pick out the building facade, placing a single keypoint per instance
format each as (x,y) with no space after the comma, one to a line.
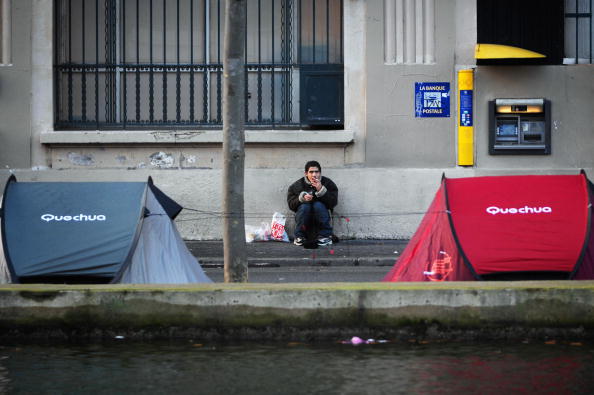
(377,91)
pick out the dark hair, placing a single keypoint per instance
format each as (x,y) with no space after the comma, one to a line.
(312,163)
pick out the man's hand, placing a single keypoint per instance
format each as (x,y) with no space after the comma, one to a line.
(308,197)
(316,184)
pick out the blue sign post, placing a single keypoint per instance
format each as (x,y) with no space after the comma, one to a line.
(432,99)
(466,107)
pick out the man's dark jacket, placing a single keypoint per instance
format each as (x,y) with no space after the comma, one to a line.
(327,195)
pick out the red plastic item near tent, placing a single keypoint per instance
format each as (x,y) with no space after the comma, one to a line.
(508,227)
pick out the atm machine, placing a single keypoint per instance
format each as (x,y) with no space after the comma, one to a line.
(519,127)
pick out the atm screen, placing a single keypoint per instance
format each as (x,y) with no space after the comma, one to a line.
(505,130)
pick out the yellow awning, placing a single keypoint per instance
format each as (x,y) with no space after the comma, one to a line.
(496,51)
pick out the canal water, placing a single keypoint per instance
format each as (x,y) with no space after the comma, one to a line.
(189,367)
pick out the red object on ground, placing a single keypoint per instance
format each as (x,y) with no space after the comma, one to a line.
(483,227)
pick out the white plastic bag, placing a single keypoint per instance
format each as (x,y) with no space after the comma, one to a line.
(268,231)
(277,228)
(255,233)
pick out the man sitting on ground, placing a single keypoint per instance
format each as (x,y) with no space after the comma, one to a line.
(310,198)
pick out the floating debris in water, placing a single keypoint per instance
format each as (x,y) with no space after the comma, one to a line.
(356,340)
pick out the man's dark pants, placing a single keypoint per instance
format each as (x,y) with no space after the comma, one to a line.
(310,215)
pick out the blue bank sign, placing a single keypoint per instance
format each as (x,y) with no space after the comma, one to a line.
(432,99)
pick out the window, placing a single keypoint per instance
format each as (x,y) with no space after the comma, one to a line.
(535,25)
(578,32)
(125,64)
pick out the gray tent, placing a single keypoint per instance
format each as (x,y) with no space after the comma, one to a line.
(93,232)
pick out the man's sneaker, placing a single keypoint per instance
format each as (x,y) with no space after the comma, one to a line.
(324,241)
(299,241)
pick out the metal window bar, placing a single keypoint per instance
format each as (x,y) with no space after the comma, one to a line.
(124,71)
(313,25)
(164,83)
(219,96)
(246,80)
(575,17)
(206,57)
(156,63)
(96,68)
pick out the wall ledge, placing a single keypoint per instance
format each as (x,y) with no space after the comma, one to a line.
(195,137)
(457,311)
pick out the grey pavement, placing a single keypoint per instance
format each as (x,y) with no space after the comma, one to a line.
(307,274)
(278,254)
(278,262)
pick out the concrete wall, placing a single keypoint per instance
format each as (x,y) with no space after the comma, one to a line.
(380,203)
(393,311)
(386,162)
(395,138)
(15,92)
(362,212)
(571,92)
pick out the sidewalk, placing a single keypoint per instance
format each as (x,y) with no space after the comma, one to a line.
(279,254)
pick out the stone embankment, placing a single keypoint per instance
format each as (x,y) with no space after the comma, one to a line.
(460,311)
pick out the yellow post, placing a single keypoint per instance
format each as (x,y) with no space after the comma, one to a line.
(465,118)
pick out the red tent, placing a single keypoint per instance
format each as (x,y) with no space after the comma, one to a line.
(508,227)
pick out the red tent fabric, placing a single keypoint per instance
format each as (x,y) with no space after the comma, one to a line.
(508,227)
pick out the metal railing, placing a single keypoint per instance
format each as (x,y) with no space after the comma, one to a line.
(146,64)
(578,31)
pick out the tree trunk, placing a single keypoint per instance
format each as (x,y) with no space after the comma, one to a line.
(234,247)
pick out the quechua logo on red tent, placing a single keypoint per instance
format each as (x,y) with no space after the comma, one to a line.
(494,210)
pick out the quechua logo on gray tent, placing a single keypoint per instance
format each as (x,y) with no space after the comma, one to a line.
(74,218)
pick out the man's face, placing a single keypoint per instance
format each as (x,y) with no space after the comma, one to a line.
(313,173)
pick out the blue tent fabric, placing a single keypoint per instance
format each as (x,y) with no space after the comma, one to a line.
(93,232)
(161,255)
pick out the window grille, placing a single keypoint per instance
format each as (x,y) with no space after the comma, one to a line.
(578,32)
(150,64)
